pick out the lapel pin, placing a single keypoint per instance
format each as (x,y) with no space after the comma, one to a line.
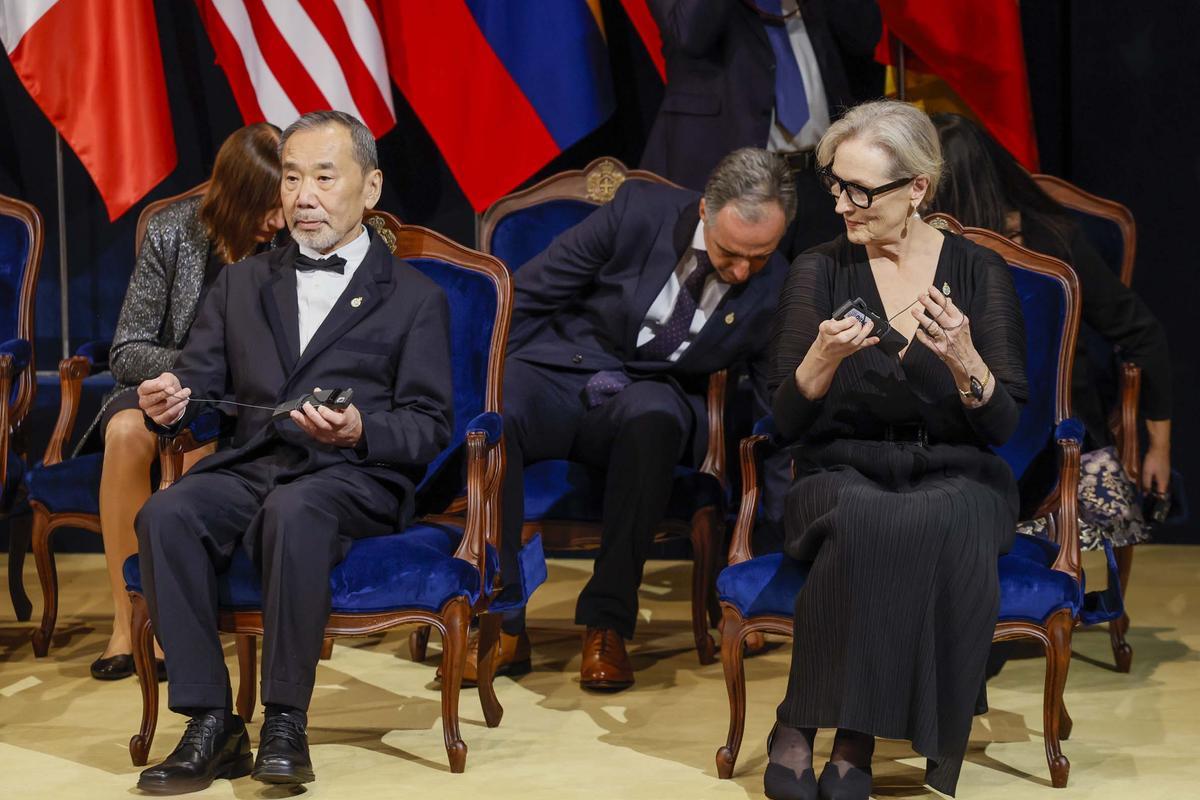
(946,289)
(356,302)
(729,318)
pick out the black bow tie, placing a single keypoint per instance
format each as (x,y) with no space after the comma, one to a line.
(332,264)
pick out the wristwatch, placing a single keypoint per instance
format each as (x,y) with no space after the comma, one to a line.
(977,386)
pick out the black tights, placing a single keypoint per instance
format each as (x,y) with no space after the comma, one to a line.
(793,748)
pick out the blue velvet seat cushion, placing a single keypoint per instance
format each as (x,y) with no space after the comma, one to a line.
(71,486)
(412,569)
(567,490)
(764,585)
(1031,591)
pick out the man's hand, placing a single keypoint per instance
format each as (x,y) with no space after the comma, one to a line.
(162,399)
(338,428)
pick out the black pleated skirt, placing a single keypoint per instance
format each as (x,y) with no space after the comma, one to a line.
(894,625)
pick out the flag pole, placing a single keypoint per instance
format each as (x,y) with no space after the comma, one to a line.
(901,76)
(64,287)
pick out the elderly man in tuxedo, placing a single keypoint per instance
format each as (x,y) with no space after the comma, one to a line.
(334,309)
(618,324)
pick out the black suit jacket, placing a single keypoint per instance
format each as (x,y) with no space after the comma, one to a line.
(581,302)
(387,337)
(721,77)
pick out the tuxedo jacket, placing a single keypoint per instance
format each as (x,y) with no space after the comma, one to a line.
(387,338)
(721,77)
(581,302)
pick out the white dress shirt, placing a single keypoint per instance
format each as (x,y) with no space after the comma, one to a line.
(779,140)
(660,309)
(318,290)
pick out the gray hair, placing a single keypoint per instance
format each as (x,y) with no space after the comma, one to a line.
(903,131)
(749,178)
(361,138)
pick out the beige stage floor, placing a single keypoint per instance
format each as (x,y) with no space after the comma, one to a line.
(375,726)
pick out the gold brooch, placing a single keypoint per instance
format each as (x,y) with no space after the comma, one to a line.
(356,302)
(729,318)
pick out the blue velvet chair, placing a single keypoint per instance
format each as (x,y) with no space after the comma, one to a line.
(439,571)
(21,239)
(563,499)
(1110,229)
(1041,582)
(66,492)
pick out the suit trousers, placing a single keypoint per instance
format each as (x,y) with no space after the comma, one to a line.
(636,438)
(298,527)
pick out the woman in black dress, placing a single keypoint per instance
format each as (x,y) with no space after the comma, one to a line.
(898,502)
(985,187)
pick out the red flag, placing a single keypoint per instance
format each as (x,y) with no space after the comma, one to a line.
(647,30)
(95,69)
(977,49)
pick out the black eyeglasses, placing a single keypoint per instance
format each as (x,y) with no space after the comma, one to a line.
(860,196)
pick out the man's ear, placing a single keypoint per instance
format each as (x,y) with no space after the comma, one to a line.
(703,212)
(373,188)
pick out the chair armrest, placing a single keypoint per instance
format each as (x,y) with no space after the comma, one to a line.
(1124,419)
(750,452)
(714,457)
(485,471)
(1065,515)
(71,372)
(7,371)
(20,350)
(204,428)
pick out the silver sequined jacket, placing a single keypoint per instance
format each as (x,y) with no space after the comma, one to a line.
(161,300)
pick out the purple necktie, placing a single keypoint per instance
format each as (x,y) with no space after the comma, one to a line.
(675,329)
(791,101)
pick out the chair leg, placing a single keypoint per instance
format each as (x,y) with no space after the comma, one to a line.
(19,533)
(47,576)
(1122,652)
(1065,724)
(247,656)
(489,647)
(735,683)
(418,642)
(327,649)
(1058,661)
(705,528)
(456,616)
(147,671)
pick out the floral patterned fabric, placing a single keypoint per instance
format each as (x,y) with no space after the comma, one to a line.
(1109,507)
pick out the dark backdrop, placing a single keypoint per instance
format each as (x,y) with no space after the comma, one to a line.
(1114,91)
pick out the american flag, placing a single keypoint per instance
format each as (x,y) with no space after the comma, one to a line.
(284,58)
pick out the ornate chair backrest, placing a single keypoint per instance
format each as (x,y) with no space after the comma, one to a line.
(479,291)
(1049,294)
(21,241)
(1107,224)
(158,205)
(519,226)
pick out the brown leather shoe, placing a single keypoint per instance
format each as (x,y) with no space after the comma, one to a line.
(605,666)
(513,657)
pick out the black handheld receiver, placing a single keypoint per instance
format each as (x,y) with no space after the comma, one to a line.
(891,341)
(336,399)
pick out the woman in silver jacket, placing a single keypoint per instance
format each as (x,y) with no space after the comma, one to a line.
(186,246)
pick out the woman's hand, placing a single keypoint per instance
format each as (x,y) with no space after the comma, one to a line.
(839,338)
(836,339)
(946,330)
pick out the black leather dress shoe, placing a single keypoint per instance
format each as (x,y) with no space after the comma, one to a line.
(782,783)
(114,668)
(283,750)
(854,785)
(208,750)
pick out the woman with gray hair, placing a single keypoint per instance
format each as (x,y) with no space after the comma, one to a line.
(891,397)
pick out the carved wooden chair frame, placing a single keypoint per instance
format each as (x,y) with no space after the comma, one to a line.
(12,414)
(1123,421)
(597,183)
(1054,636)
(485,471)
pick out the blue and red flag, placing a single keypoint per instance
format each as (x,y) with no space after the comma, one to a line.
(502,86)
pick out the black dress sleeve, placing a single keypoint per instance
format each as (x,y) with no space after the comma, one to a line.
(998,333)
(1120,316)
(803,305)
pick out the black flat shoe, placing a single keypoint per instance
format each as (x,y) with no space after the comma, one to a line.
(781,783)
(854,785)
(208,750)
(113,668)
(283,751)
